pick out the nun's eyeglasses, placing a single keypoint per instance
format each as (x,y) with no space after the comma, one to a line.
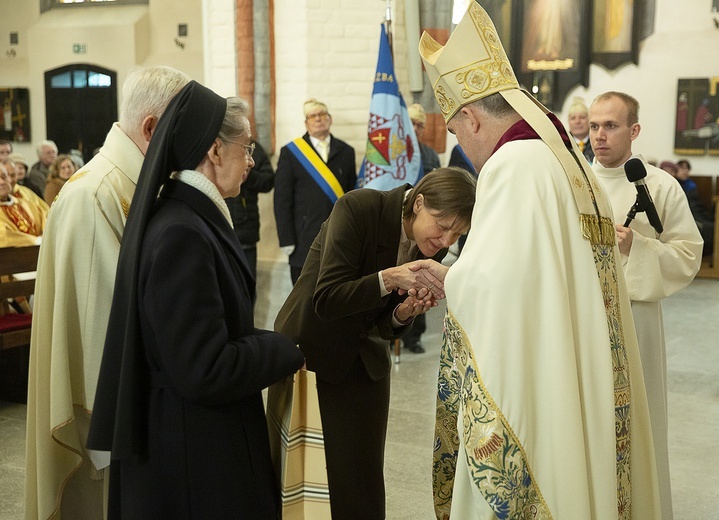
(249,149)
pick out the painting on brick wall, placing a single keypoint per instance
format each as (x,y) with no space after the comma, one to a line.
(696,128)
(15,103)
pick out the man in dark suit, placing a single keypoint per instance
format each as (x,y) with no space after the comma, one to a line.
(350,301)
(579,127)
(312,173)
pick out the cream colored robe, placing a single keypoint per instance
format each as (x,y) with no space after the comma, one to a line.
(73,295)
(528,359)
(657,267)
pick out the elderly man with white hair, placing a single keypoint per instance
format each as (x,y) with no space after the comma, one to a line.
(37,176)
(313,171)
(73,296)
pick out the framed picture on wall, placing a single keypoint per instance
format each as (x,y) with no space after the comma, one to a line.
(696,127)
(616,32)
(550,50)
(15,123)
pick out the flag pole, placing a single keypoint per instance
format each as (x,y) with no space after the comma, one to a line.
(388,26)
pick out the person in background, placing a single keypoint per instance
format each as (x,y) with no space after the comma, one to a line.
(669,167)
(459,159)
(5,151)
(430,159)
(15,169)
(537,313)
(351,301)
(193,441)
(77,158)
(702,216)
(579,127)
(21,167)
(37,176)
(243,208)
(21,224)
(656,265)
(73,294)
(60,171)
(313,171)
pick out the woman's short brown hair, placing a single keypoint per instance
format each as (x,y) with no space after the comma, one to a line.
(448,191)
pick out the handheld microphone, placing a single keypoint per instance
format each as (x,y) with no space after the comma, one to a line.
(636,172)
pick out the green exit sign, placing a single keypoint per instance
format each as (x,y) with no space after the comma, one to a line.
(79,48)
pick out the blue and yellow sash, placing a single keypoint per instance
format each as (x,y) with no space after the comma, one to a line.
(317,168)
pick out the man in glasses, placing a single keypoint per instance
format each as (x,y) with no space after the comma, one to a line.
(313,171)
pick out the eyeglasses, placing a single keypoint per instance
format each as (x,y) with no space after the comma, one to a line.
(249,148)
(319,116)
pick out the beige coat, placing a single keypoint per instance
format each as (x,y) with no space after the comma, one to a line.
(76,277)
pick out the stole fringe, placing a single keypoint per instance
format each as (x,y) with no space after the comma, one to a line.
(598,230)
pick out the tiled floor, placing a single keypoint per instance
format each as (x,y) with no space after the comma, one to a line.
(692,330)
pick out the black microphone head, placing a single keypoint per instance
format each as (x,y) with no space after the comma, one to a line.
(635,170)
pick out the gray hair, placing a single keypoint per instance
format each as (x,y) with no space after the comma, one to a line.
(146,92)
(495,105)
(236,122)
(43,144)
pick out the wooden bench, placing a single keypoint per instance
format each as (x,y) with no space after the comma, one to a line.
(15,328)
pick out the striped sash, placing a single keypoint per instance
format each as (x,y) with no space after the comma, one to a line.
(317,168)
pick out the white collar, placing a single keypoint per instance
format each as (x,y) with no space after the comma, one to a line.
(315,141)
(199,181)
(11,200)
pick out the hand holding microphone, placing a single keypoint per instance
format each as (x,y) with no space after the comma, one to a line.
(636,172)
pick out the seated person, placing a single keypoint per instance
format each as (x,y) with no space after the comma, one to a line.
(702,215)
(21,224)
(16,169)
(60,172)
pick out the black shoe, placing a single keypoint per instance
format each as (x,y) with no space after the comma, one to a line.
(417,348)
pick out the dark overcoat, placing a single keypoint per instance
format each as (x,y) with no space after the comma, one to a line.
(336,311)
(300,204)
(207,448)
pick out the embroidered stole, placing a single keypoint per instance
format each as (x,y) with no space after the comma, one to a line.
(19,216)
(316,167)
(496,459)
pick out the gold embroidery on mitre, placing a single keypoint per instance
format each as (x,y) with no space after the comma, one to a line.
(445,104)
(486,69)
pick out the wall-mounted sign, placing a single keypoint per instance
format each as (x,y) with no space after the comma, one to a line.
(79,48)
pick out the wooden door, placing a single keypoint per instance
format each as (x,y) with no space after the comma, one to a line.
(80,106)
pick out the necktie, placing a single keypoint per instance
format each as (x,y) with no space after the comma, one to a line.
(323,149)
(581,146)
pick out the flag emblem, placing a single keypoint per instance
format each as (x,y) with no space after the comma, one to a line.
(390,156)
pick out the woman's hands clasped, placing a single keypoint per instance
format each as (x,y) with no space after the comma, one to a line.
(413,277)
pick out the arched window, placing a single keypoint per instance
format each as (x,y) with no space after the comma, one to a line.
(80,106)
(52,4)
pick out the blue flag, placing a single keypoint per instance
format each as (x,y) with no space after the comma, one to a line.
(392,156)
